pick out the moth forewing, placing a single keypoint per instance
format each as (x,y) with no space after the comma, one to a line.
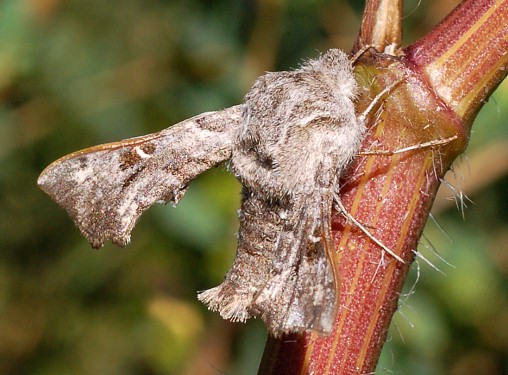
(289,143)
(106,188)
(281,273)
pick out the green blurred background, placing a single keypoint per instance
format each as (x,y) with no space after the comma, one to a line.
(75,73)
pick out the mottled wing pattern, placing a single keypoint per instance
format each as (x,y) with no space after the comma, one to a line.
(282,272)
(304,285)
(106,188)
(299,133)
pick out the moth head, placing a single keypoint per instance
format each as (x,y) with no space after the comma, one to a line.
(334,68)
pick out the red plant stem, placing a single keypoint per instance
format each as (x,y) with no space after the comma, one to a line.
(466,56)
(447,77)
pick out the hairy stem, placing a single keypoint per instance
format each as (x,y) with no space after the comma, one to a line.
(446,77)
(466,56)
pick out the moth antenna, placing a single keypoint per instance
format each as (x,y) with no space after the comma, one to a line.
(350,217)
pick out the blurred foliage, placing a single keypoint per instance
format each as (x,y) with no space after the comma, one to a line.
(77,73)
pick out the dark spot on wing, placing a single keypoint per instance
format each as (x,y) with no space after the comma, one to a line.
(313,250)
(147,148)
(128,159)
(212,123)
(200,121)
(83,162)
(132,177)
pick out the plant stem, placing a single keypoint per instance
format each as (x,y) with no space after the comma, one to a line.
(381,26)
(466,56)
(447,76)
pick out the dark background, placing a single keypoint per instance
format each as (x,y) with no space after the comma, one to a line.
(77,73)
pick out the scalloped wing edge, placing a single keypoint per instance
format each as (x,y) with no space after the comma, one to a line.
(106,188)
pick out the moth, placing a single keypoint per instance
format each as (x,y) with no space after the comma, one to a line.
(288,143)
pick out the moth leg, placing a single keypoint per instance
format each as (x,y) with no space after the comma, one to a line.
(434,143)
(359,53)
(388,50)
(350,217)
(377,99)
